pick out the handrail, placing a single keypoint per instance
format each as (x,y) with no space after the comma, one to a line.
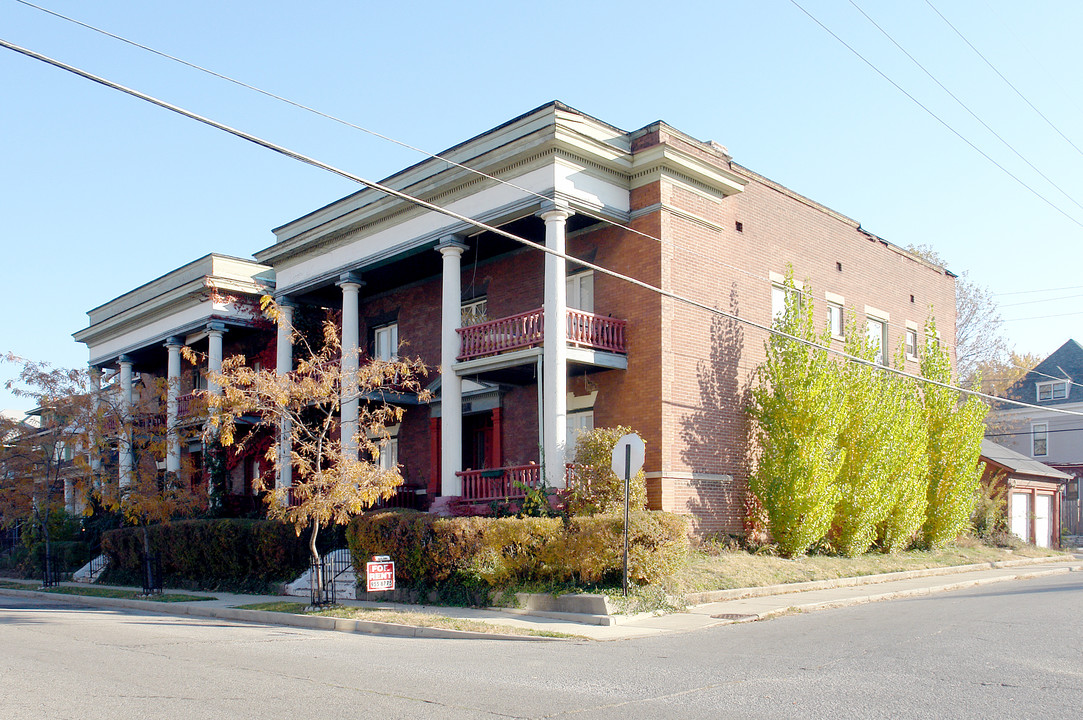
(584,329)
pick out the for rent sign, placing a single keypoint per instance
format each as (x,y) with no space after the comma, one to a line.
(380,574)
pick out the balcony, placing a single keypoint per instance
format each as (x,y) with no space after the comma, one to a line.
(504,483)
(526,330)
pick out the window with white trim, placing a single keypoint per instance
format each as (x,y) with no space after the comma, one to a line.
(388,448)
(779,293)
(579,422)
(878,339)
(1039,435)
(835,321)
(475,311)
(911,344)
(581,291)
(386,342)
(1055,390)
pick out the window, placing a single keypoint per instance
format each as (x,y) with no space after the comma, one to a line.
(1053,390)
(835,321)
(386,342)
(878,339)
(911,344)
(389,454)
(779,294)
(578,423)
(1040,439)
(581,291)
(475,311)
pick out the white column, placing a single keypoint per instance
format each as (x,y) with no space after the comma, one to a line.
(215,331)
(555,349)
(451,386)
(173,370)
(349,403)
(124,450)
(284,365)
(94,427)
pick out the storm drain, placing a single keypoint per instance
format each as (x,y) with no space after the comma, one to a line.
(734,617)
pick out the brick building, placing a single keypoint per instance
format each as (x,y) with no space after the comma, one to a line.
(654,204)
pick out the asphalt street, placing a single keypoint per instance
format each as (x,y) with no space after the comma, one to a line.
(1007,650)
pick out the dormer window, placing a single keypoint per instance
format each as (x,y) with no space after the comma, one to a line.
(1056,390)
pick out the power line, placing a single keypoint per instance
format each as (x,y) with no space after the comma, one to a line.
(966,107)
(1043,317)
(380,187)
(1031,292)
(936,117)
(1043,300)
(374,133)
(1006,80)
(1048,432)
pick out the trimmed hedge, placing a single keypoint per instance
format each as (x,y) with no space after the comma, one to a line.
(433,551)
(212,554)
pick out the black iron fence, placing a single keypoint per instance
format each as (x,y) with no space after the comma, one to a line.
(325,573)
(152,574)
(50,571)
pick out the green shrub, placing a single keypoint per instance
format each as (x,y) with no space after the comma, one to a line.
(212,554)
(434,553)
(596,488)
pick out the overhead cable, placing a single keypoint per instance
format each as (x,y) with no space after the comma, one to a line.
(503,233)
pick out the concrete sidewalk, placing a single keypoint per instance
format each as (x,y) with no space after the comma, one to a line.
(724,607)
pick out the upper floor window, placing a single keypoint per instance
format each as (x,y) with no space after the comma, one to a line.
(581,291)
(835,320)
(386,342)
(1040,439)
(1056,390)
(475,311)
(911,344)
(878,339)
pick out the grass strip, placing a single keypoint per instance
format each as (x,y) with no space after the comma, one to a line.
(399,617)
(105,592)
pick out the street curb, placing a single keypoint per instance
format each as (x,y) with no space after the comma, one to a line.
(712,596)
(267,617)
(901,594)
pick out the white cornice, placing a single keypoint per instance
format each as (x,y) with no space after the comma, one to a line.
(651,164)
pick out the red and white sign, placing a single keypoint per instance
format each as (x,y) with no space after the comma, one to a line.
(380,576)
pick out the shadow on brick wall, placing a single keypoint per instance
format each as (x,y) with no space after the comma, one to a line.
(716,434)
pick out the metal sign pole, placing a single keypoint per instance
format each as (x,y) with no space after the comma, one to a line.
(627,469)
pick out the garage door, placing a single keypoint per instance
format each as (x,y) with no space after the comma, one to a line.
(1020,511)
(1043,520)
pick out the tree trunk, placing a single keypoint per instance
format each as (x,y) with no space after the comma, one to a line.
(317,566)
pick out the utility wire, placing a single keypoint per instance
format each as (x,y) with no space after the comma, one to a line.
(965,106)
(503,233)
(382,136)
(1044,300)
(1031,292)
(936,117)
(1006,80)
(1042,317)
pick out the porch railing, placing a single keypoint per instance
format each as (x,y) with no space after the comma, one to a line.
(504,482)
(527,330)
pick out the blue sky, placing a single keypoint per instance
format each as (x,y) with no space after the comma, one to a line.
(100,192)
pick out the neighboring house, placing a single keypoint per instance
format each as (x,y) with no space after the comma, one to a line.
(1051,437)
(210,305)
(1033,492)
(483,310)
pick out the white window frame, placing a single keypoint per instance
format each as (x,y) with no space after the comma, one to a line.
(779,292)
(911,344)
(474,312)
(1052,387)
(836,321)
(580,291)
(1039,433)
(388,335)
(388,447)
(877,331)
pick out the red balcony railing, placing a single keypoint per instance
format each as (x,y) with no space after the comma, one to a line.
(504,482)
(527,330)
